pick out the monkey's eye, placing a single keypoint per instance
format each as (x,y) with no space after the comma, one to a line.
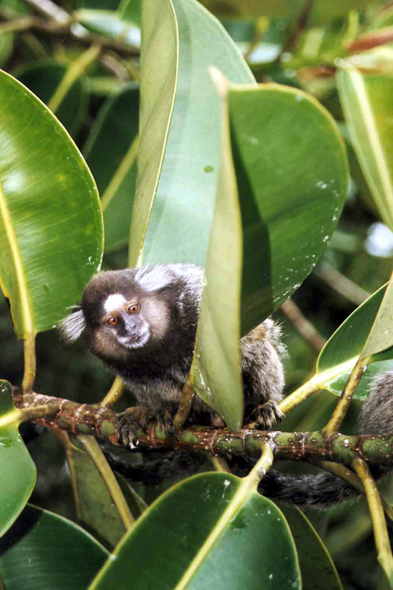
(133,308)
(112,320)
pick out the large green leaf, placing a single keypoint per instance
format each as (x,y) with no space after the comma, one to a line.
(111,153)
(17,470)
(44,78)
(273,220)
(159,69)
(313,555)
(290,199)
(342,350)
(217,362)
(179,226)
(43,551)
(366,101)
(203,534)
(50,219)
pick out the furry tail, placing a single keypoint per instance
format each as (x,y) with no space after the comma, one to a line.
(321,491)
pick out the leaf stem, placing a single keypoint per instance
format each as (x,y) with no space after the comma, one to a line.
(343,404)
(115,393)
(263,465)
(219,464)
(76,69)
(385,557)
(30,363)
(183,411)
(298,396)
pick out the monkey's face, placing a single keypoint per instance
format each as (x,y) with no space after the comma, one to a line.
(121,326)
(119,315)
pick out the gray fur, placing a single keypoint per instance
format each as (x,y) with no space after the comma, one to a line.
(72,326)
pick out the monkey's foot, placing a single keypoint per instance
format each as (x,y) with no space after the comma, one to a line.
(133,419)
(266,415)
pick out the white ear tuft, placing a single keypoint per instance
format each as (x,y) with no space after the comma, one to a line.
(71,328)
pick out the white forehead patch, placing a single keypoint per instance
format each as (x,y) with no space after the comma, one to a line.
(114,302)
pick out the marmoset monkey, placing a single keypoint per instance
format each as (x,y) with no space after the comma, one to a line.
(142,322)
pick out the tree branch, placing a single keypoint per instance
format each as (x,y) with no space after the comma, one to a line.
(99,420)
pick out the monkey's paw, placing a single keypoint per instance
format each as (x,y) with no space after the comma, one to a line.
(133,419)
(266,415)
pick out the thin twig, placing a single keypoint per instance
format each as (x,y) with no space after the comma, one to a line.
(297,30)
(303,325)
(341,284)
(50,9)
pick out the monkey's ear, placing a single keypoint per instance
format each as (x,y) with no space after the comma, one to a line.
(72,327)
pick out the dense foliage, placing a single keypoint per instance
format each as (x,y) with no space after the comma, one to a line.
(254,139)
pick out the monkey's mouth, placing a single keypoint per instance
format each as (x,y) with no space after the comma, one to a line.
(134,341)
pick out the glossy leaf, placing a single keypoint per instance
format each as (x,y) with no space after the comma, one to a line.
(111,153)
(17,469)
(45,551)
(97,511)
(381,333)
(313,555)
(217,361)
(366,101)
(159,68)
(44,78)
(50,217)
(203,533)
(342,350)
(179,223)
(290,200)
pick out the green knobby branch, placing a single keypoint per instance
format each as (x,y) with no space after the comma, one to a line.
(99,420)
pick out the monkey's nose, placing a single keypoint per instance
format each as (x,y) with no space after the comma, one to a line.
(129,323)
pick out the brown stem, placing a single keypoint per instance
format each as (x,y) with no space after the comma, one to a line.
(297,30)
(302,325)
(341,284)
